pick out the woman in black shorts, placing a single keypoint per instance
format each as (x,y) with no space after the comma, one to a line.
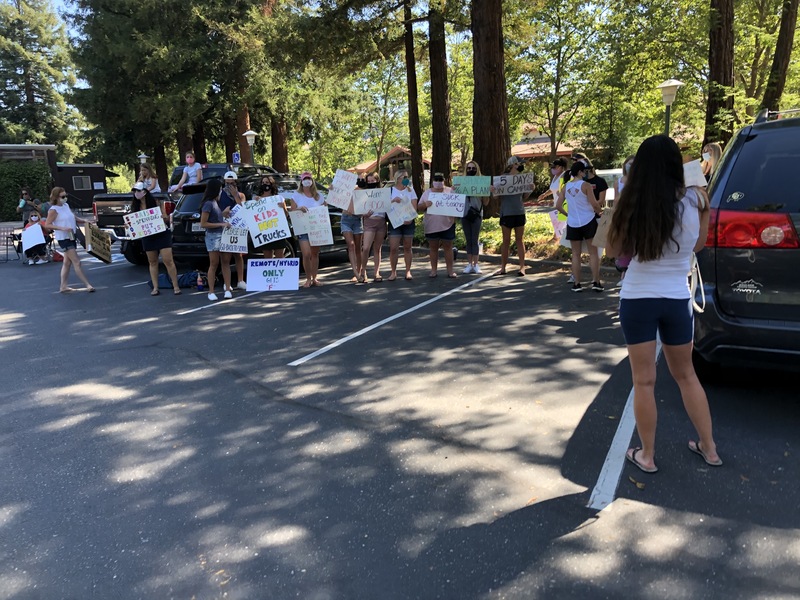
(268,188)
(160,243)
(512,218)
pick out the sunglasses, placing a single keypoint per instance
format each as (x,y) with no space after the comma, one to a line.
(63,196)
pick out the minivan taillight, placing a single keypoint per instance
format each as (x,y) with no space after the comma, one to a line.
(94,210)
(746,229)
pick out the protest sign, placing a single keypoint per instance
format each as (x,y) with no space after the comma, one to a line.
(237,216)
(98,243)
(273,274)
(266,220)
(448,205)
(316,223)
(473,185)
(505,185)
(603,225)
(400,212)
(693,174)
(144,223)
(234,240)
(341,191)
(32,236)
(375,200)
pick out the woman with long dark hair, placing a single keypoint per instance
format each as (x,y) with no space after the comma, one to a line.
(213,222)
(660,223)
(160,243)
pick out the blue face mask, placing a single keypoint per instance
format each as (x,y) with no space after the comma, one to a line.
(405,181)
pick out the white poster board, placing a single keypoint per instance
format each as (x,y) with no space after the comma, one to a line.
(693,174)
(266,220)
(400,212)
(473,185)
(144,223)
(341,191)
(236,217)
(234,240)
(32,236)
(316,223)
(447,205)
(273,274)
(506,185)
(376,200)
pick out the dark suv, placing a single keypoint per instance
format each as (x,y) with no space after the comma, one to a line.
(188,238)
(751,261)
(218,170)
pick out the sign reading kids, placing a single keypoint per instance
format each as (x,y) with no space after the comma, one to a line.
(273,274)
(144,223)
(266,220)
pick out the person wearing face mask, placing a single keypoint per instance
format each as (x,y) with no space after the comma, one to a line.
(37,255)
(229,197)
(62,221)
(307,197)
(711,154)
(440,230)
(213,222)
(374,233)
(512,218)
(160,243)
(266,189)
(352,229)
(192,172)
(401,192)
(26,205)
(599,185)
(557,168)
(472,220)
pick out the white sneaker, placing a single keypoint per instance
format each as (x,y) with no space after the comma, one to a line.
(227,295)
(467,270)
(39,261)
(30,261)
(571,279)
(213,297)
(476,269)
(242,285)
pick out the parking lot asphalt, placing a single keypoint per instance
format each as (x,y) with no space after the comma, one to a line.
(444,445)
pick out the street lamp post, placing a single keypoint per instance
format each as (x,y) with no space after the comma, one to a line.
(669,89)
(250,136)
(142,158)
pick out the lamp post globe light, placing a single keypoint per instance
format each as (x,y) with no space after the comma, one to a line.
(669,89)
(142,158)
(250,136)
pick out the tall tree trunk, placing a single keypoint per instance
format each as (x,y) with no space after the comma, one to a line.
(199,140)
(440,102)
(783,52)
(413,103)
(280,145)
(490,104)
(242,125)
(720,73)
(184,141)
(160,162)
(230,136)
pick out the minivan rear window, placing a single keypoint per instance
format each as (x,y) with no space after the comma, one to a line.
(190,203)
(758,180)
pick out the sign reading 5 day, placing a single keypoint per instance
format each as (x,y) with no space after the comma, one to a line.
(144,223)
(506,185)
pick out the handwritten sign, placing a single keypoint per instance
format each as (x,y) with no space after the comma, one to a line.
(266,220)
(400,212)
(341,191)
(32,236)
(376,200)
(273,274)
(98,243)
(144,223)
(693,174)
(506,185)
(448,205)
(237,216)
(473,185)
(316,223)
(234,239)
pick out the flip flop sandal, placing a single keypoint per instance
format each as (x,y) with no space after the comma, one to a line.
(155,293)
(699,451)
(177,292)
(630,456)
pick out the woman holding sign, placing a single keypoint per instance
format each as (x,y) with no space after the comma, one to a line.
(374,233)
(160,243)
(440,230)
(266,189)
(472,220)
(307,197)
(212,221)
(401,192)
(512,218)
(63,222)
(229,197)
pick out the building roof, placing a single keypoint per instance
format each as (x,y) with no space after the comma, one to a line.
(396,153)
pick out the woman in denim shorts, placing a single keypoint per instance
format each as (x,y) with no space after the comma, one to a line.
(212,221)
(353,232)
(402,192)
(374,234)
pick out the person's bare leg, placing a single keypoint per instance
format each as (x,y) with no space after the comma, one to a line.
(408,255)
(305,250)
(576,260)
(643,369)
(213,263)
(169,263)
(351,253)
(225,263)
(594,261)
(369,237)
(504,247)
(239,260)
(434,256)
(152,265)
(76,262)
(377,249)
(447,248)
(65,266)
(394,255)
(519,238)
(314,264)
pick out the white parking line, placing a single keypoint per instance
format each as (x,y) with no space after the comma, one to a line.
(361,332)
(606,487)
(213,304)
(135,284)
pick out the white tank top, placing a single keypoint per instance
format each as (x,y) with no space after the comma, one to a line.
(64,218)
(579,211)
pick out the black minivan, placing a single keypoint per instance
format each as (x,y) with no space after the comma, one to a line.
(751,263)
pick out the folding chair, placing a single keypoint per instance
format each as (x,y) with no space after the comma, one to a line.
(9,239)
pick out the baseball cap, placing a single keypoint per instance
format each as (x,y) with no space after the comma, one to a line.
(559,162)
(139,185)
(306,175)
(513,160)
(230,175)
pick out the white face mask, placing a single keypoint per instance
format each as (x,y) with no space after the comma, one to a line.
(438,185)
(706,156)
(307,183)
(34,219)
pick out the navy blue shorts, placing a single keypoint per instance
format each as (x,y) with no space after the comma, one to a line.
(405,230)
(641,318)
(585,232)
(448,235)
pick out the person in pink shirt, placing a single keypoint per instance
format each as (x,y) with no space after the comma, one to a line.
(440,231)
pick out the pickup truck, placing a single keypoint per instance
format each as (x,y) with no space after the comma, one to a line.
(109,210)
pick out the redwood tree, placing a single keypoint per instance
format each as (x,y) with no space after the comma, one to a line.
(719,108)
(440,101)
(783,52)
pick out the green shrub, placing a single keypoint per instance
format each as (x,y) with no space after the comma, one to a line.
(15,175)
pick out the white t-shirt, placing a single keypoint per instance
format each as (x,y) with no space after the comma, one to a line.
(667,277)
(555,185)
(406,195)
(301,200)
(579,211)
(64,218)
(191,173)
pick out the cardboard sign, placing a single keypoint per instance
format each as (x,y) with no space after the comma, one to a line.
(693,174)
(266,220)
(273,274)
(32,236)
(98,243)
(234,239)
(448,205)
(376,200)
(341,191)
(473,185)
(144,223)
(316,223)
(400,212)
(506,185)
(603,225)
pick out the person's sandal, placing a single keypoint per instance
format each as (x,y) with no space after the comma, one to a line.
(155,292)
